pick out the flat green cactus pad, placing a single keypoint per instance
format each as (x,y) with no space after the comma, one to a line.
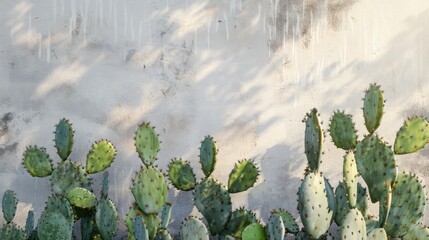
(37,162)
(243,176)
(64,138)
(313,205)
(376,164)
(214,203)
(408,205)
(412,136)
(275,228)
(11,231)
(105,185)
(67,176)
(100,157)
(240,219)
(147,143)
(54,226)
(208,154)
(313,140)
(181,175)
(377,234)
(353,226)
(417,232)
(9,204)
(29,223)
(106,218)
(193,229)
(350,174)
(254,231)
(343,206)
(342,130)
(152,222)
(373,107)
(288,221)
(80,197)
(150,189)
(140,230)
(58,204)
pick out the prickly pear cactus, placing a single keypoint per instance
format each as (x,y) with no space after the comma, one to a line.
(350,175)
(11,231)
(412,136)
(29,224)
(377,234)
(37,162)
(313,140)
(214,203)
(376,164)
(385,204)
(243,176)
(313,205)
(288,221)
(64,138)
(275,228)
(140,230)
(343,205)
(100,157)
(408,205)
(353,226)
(240,219)
(147,143)
(54,226)
(151,221)
(81,197)
(342,130)
(193,229)
(417,232)
(208,154)
(106,218)
(67,176)
(163,233)
(150,189)
(181,175)
(254,231)
(9,204)
(373,107)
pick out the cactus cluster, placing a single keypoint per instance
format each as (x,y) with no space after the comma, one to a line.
(212,199)
(10,231)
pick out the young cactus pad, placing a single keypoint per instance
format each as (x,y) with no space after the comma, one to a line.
(350,175)
(100,157)
(373,107)
(9,204)
(67,176)
(193,229)
(343,205)
(275,228)
(208,154)
(240,219)
(37,162)
(288,221)
(353,226)
(313,205)
(147,143)
(243,176)
(376,164)
(106,218)
(408,205)
(64,138)
(150,189)
(214,203)
(181,175)
(412,136)
(254,231)
(81,197)
(313,140)
(342,130)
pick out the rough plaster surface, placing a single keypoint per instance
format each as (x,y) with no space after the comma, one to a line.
(245,72)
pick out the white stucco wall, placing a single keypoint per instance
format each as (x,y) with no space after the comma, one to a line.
(245,72)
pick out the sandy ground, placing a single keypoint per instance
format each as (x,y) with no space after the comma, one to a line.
(245,72)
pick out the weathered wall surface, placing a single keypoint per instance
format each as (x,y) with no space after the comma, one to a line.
(245,72)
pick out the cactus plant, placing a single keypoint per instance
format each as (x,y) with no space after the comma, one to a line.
(240,219)
(275,227)
(353,226)
(342,130)
(181,175)
(163,233)
(37,162)
(64,138)
(343,206)
(100,157)
(254,231)
(373,107)
(377,234)
(288,221)
(417,232)
(350,175)
(412,136)
(10,231)
(193,228)
(106,216)
(313,139)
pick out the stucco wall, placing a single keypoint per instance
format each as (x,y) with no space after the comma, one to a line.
(245,72)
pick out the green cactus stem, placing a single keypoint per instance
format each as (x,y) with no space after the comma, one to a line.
(373,107)
(152,222)
(353,226)
(288,221)
(313,140)
(193,228)
(100,157)
(64,138)
(208,154)
(412,136)
(29,224)
(105,185)
(81,197)
(243,176)
(9,204)
(275,228)
(350,175)
(385,203)
(106,218)
(147,143)
(254,231)
(165,216)
(37,162)
(140,231)
(342,130)
(181,175)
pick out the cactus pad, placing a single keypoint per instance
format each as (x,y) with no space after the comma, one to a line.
(353,226)
(243,176)
(100,157)
(313,205)
(9,204)
(412,136)
(54,226)
(29,224)
(165,216)
(11,231)
(288,221)
(373,107)
(105,185)
(208,154)
(163,234)
(385,204)
(417,233)
(37,162)
(214,203)
(151,222)
(313,140)
(67,176)
(376,164)
(60,204)
(350,175)
(106,218)
(254,231)
(343,206)
(240,219)
(275,228)
(150,189)
(147,143)
(193,229)
(181,175)
(64,138)
(377,234)
(140,230)
(80,197)
(408,205)
(342,130)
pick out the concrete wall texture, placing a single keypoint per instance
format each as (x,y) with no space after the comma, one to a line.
(243,71)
